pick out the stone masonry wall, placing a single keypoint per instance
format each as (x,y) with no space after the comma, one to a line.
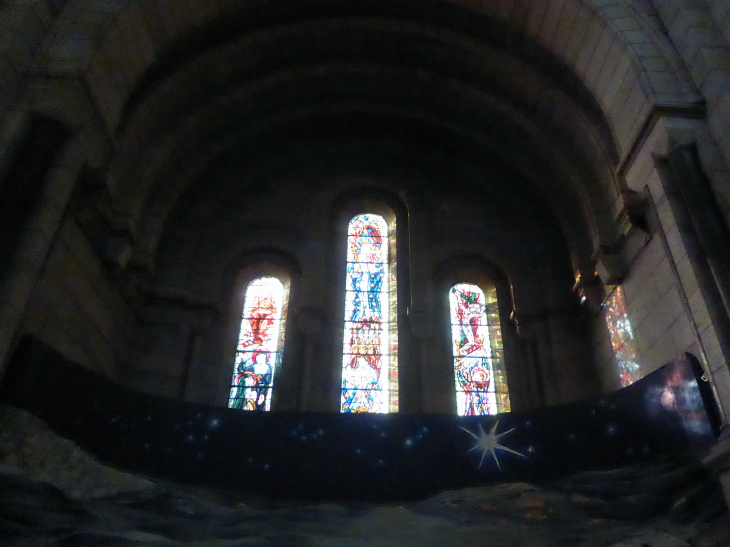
(667,309)
(76,308)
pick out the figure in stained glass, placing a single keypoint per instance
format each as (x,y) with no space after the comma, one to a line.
(473,380)
(366,267)
(243,394)
(473,371)
(361,391)
(365,356)
(259,345)
(255,374)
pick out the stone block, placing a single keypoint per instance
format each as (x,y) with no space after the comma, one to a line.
(640,169)
(699,309)
(658,320)
(660,354)
(550,22)
(719,116)
(626,111)
(56,335)
(565,26)
(687,276)
(607,73)
(665,214)
(578,32)
(714,86)
(664,278)
(639,276)
(599,57)
(611,84)
(588,47)
(627,23)
(683,334)
(711,345)
(676,244)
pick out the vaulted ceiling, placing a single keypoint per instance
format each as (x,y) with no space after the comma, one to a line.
(549,94)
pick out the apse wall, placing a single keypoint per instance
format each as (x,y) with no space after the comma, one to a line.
(606,91)
(482,217)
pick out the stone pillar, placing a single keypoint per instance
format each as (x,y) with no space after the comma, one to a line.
(31,250)
(313,378)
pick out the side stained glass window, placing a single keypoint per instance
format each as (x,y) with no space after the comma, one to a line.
(622,337)
(481,382)
(369,361)
(260,344)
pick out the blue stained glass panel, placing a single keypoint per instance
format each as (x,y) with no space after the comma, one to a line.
(367,368)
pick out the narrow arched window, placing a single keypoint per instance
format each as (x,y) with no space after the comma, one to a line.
(481,383)
(369,362)
(260,344)
(622,337)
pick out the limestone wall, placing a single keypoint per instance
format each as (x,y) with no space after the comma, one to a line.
(78,309)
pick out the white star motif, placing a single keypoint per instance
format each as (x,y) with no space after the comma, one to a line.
(488,443)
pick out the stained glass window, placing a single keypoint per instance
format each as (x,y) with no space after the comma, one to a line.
(260,344)
(481,382)
(622,337)
(369,361)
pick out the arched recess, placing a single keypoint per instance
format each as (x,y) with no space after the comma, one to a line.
(213,363)
(546,99)
(521,380)
(381,202)
(571,41)
(478,357)
(261,343)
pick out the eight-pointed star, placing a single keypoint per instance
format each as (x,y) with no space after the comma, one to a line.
(488,443)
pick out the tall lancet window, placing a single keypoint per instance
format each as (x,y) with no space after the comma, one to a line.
(622,337)
(369,362)
(481,383)
(260,344)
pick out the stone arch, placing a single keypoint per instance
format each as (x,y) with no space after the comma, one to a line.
(88,37)
(131,44)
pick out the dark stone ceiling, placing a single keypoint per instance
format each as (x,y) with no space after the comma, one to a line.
(436,78)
